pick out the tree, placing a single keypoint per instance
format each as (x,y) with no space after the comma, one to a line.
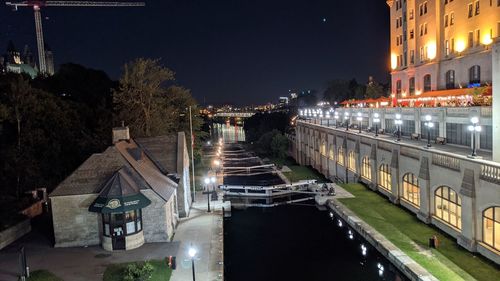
(373,89)
(279,146)
(138,97)
(338,91)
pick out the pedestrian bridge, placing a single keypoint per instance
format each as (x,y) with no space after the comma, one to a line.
(235,114)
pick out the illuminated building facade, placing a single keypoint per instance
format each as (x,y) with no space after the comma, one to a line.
(445,44)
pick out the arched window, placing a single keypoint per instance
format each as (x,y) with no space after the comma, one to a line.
(491,227)
(384,176)
(331,152)
(340,156)
(448,206)
(411,86)
(322,149)
(475,74)
(427,83)
(450,79)
(366,168)
(398,88)
(411,189)
(351,161)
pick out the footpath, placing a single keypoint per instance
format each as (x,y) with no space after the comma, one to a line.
(204,232)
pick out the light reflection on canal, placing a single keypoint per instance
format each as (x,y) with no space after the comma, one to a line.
(298,242)
(230,133)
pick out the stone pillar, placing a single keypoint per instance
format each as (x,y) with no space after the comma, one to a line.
(425,211)
(442,122)
(467,237)
(374,167)
(496,100)
(417,113)
(394,197)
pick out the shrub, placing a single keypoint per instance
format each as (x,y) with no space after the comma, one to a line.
(138,272)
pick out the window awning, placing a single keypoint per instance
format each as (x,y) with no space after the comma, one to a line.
(119,194)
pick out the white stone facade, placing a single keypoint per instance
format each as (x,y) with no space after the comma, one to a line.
(476,182)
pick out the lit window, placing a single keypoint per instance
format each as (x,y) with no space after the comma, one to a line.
(427,83)
(450,79)
(411,83)
(384,177)
(322,148)
(331,152)
(411,189)
(366,168)
(447,48)
(351,163)
(491,226)
(452,19)
(448,206)
(475,74)
(340,156)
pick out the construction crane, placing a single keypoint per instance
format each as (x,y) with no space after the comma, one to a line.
(38,18)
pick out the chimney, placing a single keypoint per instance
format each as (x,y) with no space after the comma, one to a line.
(120,133)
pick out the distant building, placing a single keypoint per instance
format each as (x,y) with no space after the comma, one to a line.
(49,60)
(283,100)
(14,61)
(437,45)
(132,193)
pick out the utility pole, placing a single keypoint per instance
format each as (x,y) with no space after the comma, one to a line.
(37,4)
(192,153)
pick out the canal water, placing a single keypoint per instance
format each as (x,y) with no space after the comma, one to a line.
(230,133)
(293,241)
(298,242)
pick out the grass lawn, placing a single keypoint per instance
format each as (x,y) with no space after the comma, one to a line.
(299,172)
(114,272)
(43,275)
(448,262)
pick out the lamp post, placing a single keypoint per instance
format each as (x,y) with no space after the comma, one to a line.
(360,119)
(429,126)
(376,120)
(192,254)
(398,123)
(336,119)
(346,117)
(474,128)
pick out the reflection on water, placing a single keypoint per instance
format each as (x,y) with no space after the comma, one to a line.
(230,133)
(298,242)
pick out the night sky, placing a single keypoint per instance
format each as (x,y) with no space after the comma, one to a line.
(234,51)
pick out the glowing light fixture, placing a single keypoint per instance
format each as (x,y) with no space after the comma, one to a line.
(431,50)
(394,61)
(460,46)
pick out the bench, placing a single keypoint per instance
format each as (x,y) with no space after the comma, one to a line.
(415,136)
(440,140)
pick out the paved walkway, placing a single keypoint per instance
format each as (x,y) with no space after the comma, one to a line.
(204,232)
(74,264)
(450,148)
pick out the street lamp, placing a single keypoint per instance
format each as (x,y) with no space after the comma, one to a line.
(429,126)
(336,119)
(192,254)
(376,120)
(360,119)
(474,128)
(346,117)
(398,123)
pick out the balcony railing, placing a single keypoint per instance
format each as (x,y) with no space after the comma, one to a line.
(490,173)
(445,161)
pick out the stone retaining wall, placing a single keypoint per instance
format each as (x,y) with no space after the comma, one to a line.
(403,262)
(13,233)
